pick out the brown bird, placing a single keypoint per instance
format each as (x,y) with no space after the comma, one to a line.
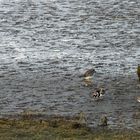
(89,73)
(138,71)
(138,99)
(103,121)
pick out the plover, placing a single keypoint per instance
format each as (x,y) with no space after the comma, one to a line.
(138,99)
(138,71)
(103,121)
(88,74)
(98,93)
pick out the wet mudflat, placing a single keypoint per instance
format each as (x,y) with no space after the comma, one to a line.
(56,128)
(46,45)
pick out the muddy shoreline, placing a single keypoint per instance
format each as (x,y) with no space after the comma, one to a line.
(58,128)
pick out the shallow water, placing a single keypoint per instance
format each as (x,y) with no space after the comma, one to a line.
(45,46)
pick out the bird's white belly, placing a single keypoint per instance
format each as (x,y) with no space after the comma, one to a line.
(88,78)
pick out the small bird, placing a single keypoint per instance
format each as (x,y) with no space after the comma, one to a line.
(82,118)
(138,99)
(103,121)
(138,71)
(98,93)
(88,74)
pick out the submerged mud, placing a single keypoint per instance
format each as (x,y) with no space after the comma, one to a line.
(46,46)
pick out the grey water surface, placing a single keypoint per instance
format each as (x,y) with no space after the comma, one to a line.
(45,45)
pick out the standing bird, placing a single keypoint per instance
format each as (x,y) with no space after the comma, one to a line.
(88,77)
(98,93)
(103,121)
(138,71)
(88,74)
(138,99)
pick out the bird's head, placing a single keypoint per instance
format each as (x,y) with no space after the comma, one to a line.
(93,70)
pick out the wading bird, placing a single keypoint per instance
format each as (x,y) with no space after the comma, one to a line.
(88,74)
(138,99)
(87,77)
(103,121)
(138,71)
(98,93)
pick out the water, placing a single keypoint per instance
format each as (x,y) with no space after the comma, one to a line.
(45,46)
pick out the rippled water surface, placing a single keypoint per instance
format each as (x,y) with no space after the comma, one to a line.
(46,44)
